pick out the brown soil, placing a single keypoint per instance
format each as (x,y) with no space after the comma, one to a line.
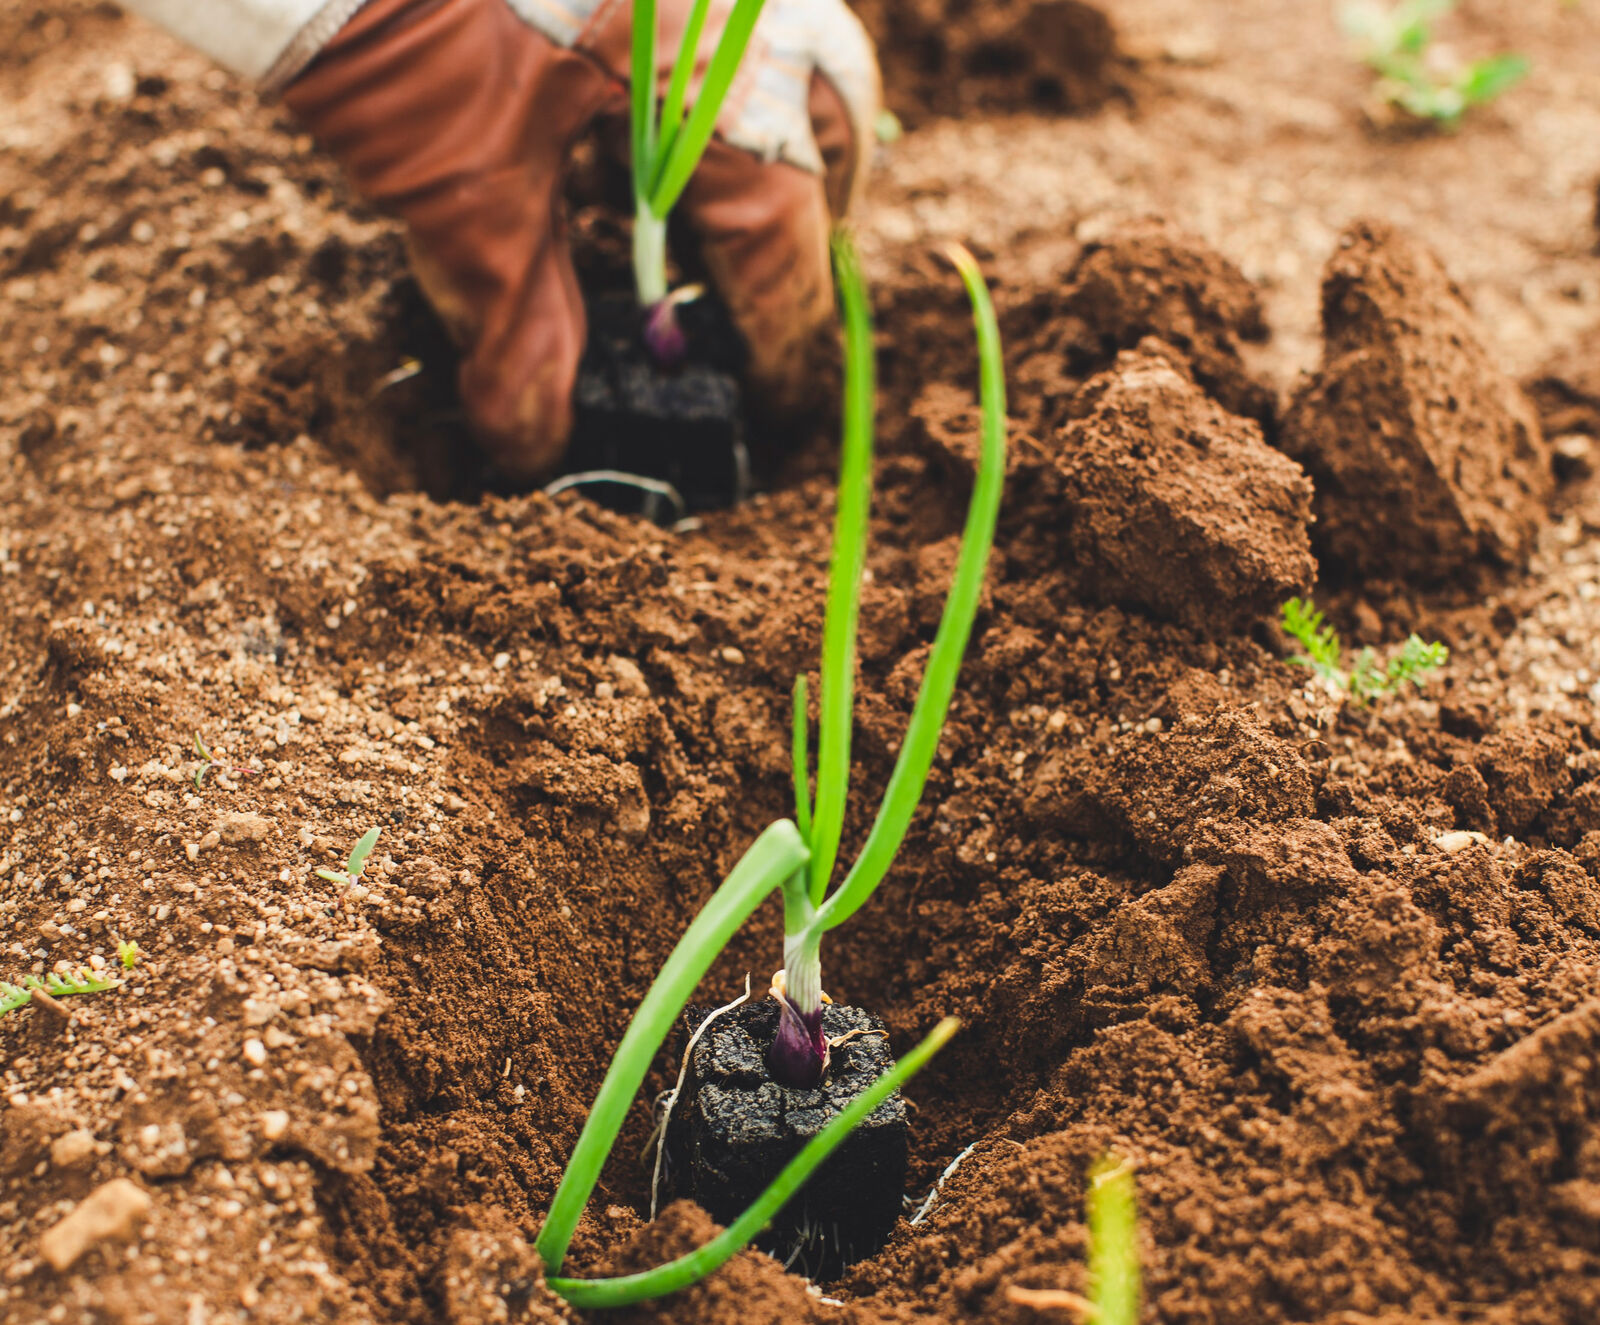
(1189,907)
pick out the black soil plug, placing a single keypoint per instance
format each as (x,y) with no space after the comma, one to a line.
(735,1128)
(681,424)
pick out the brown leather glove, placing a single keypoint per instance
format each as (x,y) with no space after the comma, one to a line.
(459,116)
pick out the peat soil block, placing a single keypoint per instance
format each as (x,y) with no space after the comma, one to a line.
(735,1128)
(682,425)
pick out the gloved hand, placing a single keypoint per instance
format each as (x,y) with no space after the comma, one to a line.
(459,115)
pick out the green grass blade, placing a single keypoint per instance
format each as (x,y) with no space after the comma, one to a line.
(689,143)
(360,852)
(773,858)
(682,72)
(801,758)
(837,700)
(690,1269)
(643,78)
(1113,1244)
(955,627)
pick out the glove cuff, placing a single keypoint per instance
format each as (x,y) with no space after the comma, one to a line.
(768,112)
(266,41)
(304,46)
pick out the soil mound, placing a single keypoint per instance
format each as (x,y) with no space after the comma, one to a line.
(752,1286)
(949,56)
(1427,459)
(1172,505)
(1145,277)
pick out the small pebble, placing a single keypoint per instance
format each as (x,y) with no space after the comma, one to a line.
(1451,843)
(72,1148)
(112,1212)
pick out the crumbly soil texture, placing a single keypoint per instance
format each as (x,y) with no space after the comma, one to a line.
(1325,976)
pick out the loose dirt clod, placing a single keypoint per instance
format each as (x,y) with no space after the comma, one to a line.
(1173,505)
(1426,457)
(1146,277)
(1057,54)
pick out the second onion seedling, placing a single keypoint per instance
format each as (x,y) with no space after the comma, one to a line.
(667,146)
(798,857)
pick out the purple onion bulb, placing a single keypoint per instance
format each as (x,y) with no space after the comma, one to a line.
(799,1054)
(663,334)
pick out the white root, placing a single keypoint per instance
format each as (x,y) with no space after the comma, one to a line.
(927,1205)
(670,1098)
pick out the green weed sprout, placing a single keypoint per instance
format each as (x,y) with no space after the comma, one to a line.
(1367,678)
(357,861)
(207,759)
(781,857)
(668,144)
(79,981)
(128,954)
(1413,74)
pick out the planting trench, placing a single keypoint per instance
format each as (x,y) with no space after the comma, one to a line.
(1188,909)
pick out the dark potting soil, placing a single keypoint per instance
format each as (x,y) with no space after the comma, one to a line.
(682,425)
(735,1128)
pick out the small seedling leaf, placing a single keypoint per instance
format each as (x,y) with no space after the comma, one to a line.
(1367,678)
(78,981)
(358,857)
(12,997)
(1485,80)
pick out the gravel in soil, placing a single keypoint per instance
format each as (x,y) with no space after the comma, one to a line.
(1326,976)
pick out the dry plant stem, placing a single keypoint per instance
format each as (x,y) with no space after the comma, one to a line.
(950,1168)
(1050,1299)
(46,1003)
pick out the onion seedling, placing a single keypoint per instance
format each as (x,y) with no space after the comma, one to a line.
(667,146)
(800,1054)
(798,857)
